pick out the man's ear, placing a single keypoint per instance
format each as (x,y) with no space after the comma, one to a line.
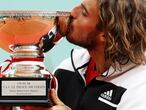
(101,37)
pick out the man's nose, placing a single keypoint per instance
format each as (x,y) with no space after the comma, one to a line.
(75,12)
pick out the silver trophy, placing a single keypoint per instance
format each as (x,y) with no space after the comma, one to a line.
(25,80)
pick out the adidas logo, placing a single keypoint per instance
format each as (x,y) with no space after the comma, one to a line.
(107,95)
(106,98)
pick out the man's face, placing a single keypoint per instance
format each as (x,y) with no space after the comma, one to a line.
(82,27)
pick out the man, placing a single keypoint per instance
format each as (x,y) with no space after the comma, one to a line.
(111,73)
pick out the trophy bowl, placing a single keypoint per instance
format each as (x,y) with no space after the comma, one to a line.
(25,80)
(25,27)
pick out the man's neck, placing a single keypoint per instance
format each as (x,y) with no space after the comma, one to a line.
(99,58)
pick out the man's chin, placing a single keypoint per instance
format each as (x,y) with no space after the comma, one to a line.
(69,39)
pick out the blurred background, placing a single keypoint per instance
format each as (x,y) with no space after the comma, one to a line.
(61,51)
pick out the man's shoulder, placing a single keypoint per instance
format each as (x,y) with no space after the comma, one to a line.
(135,82)
(133,77)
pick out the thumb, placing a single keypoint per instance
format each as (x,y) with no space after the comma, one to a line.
(55,98)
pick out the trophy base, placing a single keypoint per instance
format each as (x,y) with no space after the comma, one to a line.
(25,91)
(26,102)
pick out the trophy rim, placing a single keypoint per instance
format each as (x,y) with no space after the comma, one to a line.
(12,13)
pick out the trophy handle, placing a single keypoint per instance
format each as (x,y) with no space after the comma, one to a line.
(11,47)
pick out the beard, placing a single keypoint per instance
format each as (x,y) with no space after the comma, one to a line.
(88,41)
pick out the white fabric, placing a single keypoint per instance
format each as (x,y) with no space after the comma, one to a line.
(134,80)
(135,83)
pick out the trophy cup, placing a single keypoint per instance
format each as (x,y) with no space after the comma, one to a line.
(25,80)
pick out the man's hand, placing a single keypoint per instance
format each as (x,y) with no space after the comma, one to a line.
(58,104)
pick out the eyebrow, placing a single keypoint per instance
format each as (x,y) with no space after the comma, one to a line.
(84,8)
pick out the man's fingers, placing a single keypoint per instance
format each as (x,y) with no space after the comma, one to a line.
(55,98)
